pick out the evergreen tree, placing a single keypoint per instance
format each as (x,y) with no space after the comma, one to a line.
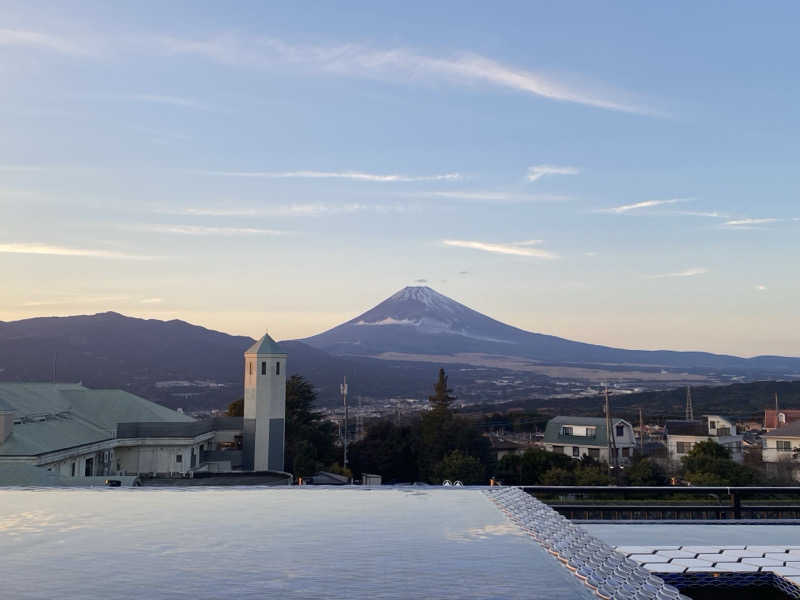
(441,399)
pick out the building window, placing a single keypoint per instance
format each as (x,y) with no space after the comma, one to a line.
(566,430)
(263,367)
(73,469)
(591,431)
(179,458)
(712,424)
(278,368)
(251,368)
(724,431)
(626,452)
(576,451)
(594,452)
(683,447)
(620,430)
(558,449)
(784,445)
(88,469)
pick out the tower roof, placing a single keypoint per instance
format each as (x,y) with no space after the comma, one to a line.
(266,345)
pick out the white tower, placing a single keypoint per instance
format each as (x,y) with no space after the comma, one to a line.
(264,406)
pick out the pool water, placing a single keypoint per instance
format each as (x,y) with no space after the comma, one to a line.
(266,542)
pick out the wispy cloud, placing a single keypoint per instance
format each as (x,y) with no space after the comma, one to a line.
(538,171)
(311,209)
(348,59)
(163,99)
(693,272)
(640,205)
(353,175)
(513,248)
(46,249)
(75,300)
(749,223)
(199,230)
(489,196)
(398,64)
(43,41)
(150,300)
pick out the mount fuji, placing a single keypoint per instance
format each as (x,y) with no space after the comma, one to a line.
(421,322)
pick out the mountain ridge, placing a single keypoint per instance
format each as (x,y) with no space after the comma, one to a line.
(419,320)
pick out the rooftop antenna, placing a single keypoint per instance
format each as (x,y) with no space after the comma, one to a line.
(689,410)
(343,391)
(641,431)
(613,461)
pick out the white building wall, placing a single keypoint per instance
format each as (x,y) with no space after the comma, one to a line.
(771,454)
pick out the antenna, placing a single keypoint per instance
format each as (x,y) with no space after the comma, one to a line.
(613,461)
(641,431)
(689,410)
(343,391)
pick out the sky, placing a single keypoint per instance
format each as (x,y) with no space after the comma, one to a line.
(616,173)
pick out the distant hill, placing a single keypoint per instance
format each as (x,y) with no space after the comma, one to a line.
(421,321)
(177,363)
(740,400)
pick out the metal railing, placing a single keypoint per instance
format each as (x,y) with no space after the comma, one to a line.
(671,502)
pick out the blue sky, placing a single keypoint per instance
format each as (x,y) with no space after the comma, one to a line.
(618,173)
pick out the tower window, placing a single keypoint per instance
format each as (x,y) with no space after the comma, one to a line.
(179,458)
(251,368)
(278,368)
(263,367)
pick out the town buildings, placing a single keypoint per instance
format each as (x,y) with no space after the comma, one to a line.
(63,433)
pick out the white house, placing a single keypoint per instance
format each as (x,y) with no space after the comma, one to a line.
(63,433)
(587,436)
(782,445)
(681,436)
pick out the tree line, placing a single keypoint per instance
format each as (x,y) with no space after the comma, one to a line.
(440,444)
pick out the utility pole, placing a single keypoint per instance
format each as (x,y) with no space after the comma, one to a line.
(613,461)
(343,391)
(641,432)
(689,410)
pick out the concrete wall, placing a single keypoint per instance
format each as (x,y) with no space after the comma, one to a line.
(157,459)
(100,463)
(6,424)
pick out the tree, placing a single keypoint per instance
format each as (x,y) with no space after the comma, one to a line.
(558,476)
(441,399)
(644,471)
(310,440)
(457,466)
(709,463)
(388,449)
(236,408)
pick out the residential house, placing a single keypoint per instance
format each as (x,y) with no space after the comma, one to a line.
(681,436)
(587,436)
(782,445)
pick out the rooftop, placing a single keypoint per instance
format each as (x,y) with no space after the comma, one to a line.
(53,416)
(266,345)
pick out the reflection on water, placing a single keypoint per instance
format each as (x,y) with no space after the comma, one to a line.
(267,542)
